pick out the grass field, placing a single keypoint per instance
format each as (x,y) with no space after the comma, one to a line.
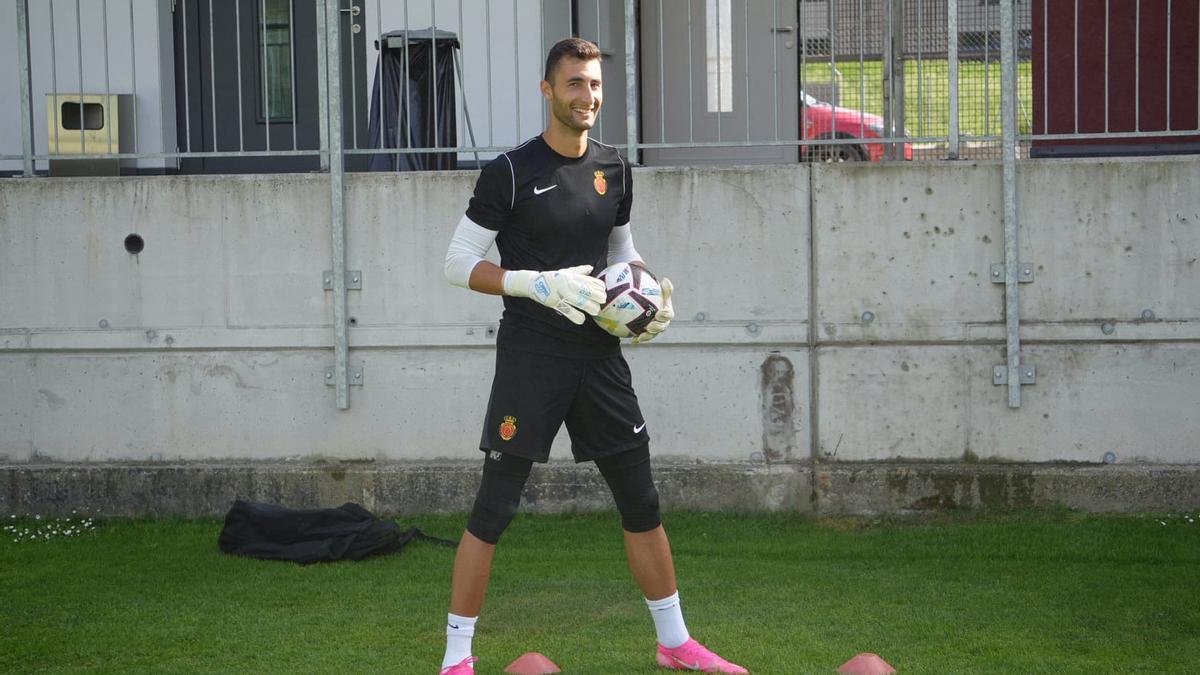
(1016,593)
(927,93)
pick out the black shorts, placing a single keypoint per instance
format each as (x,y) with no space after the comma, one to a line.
(533,394)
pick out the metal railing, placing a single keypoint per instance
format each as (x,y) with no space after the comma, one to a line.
(832,79)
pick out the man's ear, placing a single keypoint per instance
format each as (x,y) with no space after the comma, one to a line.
(546,90)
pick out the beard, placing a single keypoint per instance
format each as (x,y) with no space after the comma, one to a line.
(563,113)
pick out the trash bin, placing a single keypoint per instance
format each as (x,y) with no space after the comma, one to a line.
(413,103)
(89,124)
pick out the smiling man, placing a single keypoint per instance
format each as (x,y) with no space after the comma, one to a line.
(557,208)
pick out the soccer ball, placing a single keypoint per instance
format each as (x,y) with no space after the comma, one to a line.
(634,297)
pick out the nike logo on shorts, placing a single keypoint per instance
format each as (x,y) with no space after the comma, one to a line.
(638,428)
(538,190)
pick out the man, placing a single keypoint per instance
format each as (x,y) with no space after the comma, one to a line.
(557,208)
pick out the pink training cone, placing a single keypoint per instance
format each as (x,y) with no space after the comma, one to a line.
(532,663)
(866,664)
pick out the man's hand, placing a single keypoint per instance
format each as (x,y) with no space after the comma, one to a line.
(570,292)
(662,318)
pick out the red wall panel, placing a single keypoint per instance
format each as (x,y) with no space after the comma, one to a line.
(1133,72)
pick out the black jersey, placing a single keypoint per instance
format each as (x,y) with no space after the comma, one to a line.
(551,212)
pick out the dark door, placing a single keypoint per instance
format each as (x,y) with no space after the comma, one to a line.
(224,52)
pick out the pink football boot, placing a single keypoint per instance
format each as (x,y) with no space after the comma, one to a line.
(463,667)
(692,655)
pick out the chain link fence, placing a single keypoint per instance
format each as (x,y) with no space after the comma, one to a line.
(846,45)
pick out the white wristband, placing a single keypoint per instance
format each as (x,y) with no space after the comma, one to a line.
(516,282)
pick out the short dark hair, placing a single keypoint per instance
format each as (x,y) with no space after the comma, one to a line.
(574,47)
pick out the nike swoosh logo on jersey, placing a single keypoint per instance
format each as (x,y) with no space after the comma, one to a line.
(538,190)
(638,428)
(685,664)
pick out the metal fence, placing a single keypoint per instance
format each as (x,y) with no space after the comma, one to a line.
(224,86)
(244,85)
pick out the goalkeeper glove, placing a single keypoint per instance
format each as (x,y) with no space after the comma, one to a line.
(570,292)
(662,318)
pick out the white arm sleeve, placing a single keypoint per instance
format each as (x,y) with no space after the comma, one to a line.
(467,248)
(620,245)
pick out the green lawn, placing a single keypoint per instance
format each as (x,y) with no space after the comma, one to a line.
(1011,593)
(927,93)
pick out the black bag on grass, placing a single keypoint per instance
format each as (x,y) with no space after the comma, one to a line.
(349,532)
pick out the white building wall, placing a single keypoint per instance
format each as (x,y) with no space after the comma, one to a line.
(140,60)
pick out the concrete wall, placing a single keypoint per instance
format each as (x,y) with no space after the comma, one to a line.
(211,344)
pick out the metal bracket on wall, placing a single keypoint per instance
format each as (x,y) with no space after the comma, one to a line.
(353,280)
(355,375)
(1024,273)
(1028,374)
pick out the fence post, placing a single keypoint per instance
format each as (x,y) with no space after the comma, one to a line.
(631,83)
(1008,117)
(889,62)
(23,72)
(952,57)
(333,102)
(323,86)
(893,75)
(900,116)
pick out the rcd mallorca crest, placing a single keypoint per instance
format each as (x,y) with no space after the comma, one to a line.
(599,183)
(508,428)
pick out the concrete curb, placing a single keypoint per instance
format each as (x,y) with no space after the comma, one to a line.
(893,488)
(207,489)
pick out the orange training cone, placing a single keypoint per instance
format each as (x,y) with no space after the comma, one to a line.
(866,664)
(533,663)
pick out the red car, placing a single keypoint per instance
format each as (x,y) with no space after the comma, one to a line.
(824,120)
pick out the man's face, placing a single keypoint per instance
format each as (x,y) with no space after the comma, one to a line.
(575,93)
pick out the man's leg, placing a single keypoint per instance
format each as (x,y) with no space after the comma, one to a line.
(472,567)
(504,477)
(650,561)
(649,553)
(646,545)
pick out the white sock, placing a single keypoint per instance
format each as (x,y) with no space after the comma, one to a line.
(668,621)
(459,632)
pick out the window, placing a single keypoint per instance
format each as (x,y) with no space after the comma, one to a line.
(275,28)
(719,44)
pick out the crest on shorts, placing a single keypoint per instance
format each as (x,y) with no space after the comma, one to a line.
(508,428)
(600,184)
